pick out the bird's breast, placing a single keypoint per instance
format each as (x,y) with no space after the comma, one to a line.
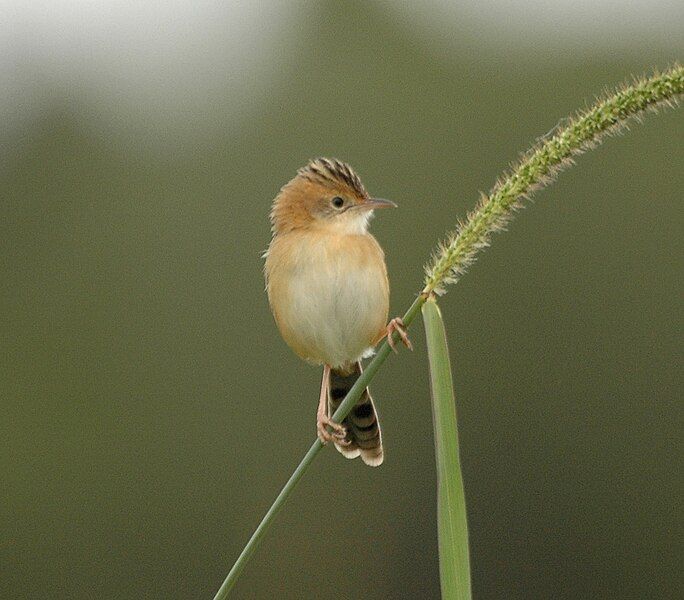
(329,294)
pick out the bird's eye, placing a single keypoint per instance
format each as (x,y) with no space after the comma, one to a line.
(337,202)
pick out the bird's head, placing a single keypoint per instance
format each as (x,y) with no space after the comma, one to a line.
(327,194)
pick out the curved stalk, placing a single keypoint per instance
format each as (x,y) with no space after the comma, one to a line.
(347,404)
(536,169)
(539,166)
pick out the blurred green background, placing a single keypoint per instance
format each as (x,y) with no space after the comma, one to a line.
(150,410)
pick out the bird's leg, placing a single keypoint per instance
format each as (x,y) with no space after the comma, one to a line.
(397,325)
(339,433)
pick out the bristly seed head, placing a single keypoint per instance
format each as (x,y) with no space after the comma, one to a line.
(539,166)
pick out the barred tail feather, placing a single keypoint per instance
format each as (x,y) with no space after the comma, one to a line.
(363,428)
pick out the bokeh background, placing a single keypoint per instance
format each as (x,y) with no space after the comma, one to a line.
(150,410)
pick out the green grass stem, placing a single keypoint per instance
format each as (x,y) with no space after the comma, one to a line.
(347,404)
(535,170)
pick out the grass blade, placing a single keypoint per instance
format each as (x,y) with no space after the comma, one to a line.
(452,525)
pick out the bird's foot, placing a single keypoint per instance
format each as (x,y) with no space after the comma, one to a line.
(397,325)
(337,435)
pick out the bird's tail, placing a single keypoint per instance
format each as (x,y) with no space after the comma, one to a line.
(363,428)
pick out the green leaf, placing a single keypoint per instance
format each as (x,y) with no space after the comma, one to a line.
(452,525)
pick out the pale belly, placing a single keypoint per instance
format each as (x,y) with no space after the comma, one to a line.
(330,297)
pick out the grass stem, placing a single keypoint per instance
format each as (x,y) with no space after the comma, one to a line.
(535,170)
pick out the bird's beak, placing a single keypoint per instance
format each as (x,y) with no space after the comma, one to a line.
(374,203)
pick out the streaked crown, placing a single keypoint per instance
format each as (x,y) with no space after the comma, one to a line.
(333,173)
(306,200)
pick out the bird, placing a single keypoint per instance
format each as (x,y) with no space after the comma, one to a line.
(328,290)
